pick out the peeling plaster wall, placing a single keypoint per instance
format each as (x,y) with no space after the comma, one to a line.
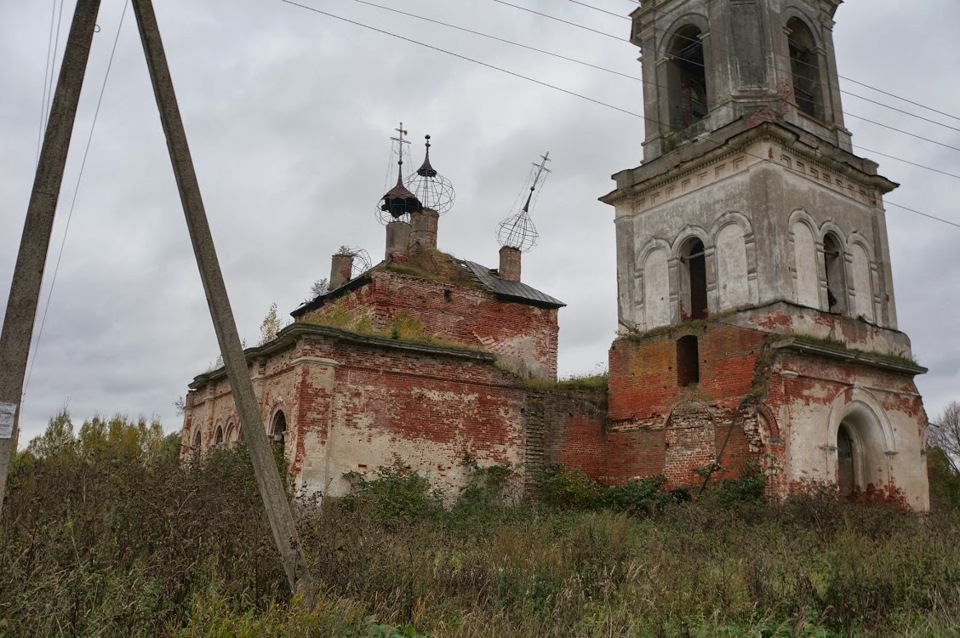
(523,336)
(765,191)
(811,400)
(353,407)
(764,401)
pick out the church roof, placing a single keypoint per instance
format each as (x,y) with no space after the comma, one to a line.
(513,290)
(456,271)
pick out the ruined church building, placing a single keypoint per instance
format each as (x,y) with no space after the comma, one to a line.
(757,318)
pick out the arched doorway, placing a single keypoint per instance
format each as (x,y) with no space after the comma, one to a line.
(863,448)
(846,470)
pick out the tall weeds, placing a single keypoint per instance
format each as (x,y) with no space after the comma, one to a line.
(105,533)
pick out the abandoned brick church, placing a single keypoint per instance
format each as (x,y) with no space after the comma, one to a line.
(756,308)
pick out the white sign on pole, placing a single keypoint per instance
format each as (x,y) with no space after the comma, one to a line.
(7,413)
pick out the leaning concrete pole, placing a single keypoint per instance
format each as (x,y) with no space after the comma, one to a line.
(268,477)
(35,241)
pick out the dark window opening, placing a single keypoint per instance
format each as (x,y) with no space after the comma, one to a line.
(694,282)
(833,268)
(218,437)
(846,474)
(279,430)
(805,66)
(687,79)
(688,361)
(195,450)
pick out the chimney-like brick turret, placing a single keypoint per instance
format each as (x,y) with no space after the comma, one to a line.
(423,233)
(398,241)
(340,270)
(509,263)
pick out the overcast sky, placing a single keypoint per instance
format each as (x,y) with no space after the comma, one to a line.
(289,115)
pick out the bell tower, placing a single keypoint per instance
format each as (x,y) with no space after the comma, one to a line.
(707,64)
(755,293)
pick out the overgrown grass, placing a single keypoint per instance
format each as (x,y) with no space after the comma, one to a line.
(110,536)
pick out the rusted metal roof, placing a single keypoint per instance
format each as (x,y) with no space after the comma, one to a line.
(513,290)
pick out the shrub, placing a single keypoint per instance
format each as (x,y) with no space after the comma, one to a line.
(396,494)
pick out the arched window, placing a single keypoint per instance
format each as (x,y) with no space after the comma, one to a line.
(688,361)
(833,263)
(195,448)
(278,430)
(805,66)
(686,78)
(218,437)
(231,434)
(693,281)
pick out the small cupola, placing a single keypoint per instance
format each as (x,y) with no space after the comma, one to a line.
(399,202)
(517,234)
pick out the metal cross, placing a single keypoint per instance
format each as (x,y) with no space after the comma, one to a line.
(541,169)
(400,141)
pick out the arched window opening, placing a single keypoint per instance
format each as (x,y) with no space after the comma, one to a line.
(231,434)
(833,263)
(218,437)
(846,472)
(805,67)
(195,448)
(688,361)
(278,431)
(686,79)
(693,281)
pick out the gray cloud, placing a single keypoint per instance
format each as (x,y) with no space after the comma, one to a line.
(288,115)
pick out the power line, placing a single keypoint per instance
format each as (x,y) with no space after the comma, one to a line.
(900,159)
(502,40)
(893,108)
(48,67)
(463,57)
(898,130)
(922,214)
(893,95)
(535,81)
(73,203)
(590,6)
(587,64)
(556,19)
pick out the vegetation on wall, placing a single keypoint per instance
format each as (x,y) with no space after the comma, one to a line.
(105,533)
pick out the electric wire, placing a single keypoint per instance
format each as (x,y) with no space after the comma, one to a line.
(587,64)
(893,95)
(48,71)
(556,19)
(502,40)
(464,57)
(590,6)
(73,202)
(548,85)
(846,113)
(900,159)
(842,77)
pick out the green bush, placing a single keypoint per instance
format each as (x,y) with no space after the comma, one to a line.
(105,535)
(396,494)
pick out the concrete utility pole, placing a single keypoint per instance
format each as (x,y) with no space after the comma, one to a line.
(264,466)
(35,242)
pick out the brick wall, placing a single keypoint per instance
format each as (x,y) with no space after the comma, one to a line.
(524,336)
